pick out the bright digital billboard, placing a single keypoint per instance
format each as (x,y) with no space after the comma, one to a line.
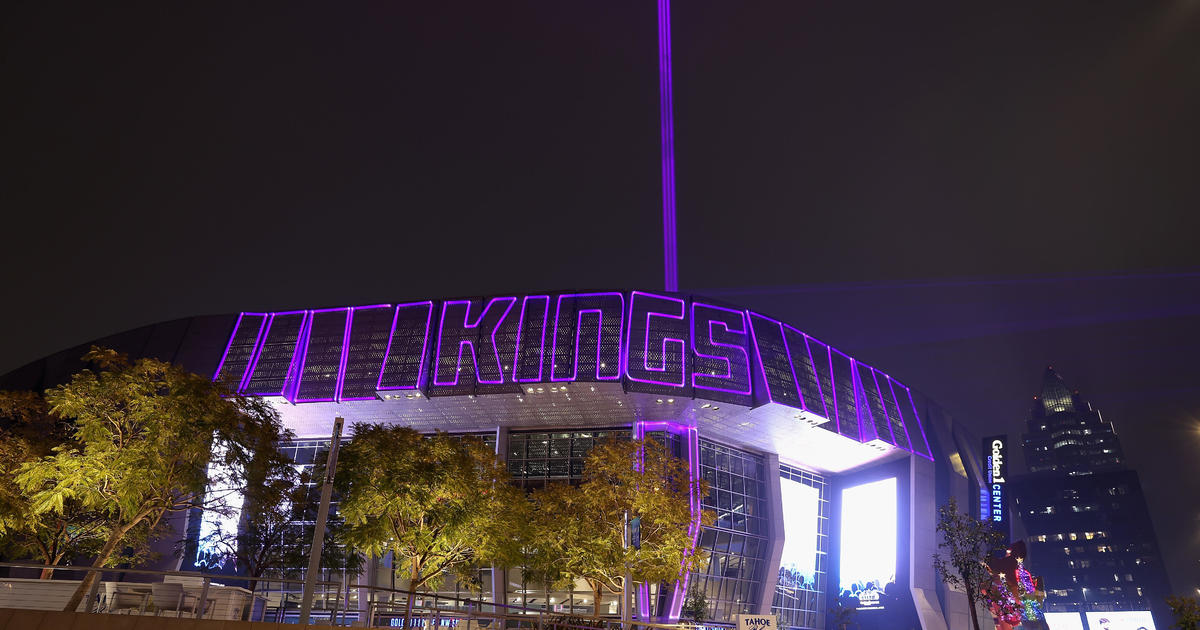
(868,547)
(801,511)
(1120,620)
(1064,621)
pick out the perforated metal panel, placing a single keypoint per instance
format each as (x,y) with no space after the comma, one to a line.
(774,360)
(242,343)
(658,357)
(408,348)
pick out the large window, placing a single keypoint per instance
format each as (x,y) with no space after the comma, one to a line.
(736,544)
(868,546)
(535,458)
(799,592)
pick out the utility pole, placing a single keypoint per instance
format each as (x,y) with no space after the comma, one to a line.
(314,554)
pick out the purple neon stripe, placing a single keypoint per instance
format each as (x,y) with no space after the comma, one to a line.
(341,377)
(837,415)
(291,383)
(424,345)
(645,349)
(728,364)
(920,425)
(762,368)
(867,430)
(787,351)
(883,404)
(342,398)
(900,411)
(263,330)
(816,375)
(541,350)
(259,340)
(471,344)
(224,355)
(667,125)
(311,318)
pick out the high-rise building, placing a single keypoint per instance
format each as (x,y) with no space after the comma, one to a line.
(1085,517)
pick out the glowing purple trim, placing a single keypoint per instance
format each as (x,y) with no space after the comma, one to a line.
(866,426)
(262,342)
(251,362)
(645,349)
(900,412)
(920,425)
(306,338)
(853,388)
(424,346)
(712,340)
(786,353)
(342,375)
(579,313)
(816,375)
(837,414)
(437,362)
(883,404)
(541,350)
(224,355)
(667,123)
(787,350)
(233,337)
(291,386)
(692,439)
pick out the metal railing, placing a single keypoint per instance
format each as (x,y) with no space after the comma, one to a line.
(385,606)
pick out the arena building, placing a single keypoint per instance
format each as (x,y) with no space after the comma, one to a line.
(825,472)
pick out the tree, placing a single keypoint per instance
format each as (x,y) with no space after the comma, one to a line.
(1186,611)
(144,434)
(841,617)
(967,542)
(578,532)
(29,432)
(695,605)
(441,504)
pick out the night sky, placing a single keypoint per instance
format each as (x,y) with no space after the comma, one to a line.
(960,194)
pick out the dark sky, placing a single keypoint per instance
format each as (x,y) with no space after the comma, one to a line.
(960,193)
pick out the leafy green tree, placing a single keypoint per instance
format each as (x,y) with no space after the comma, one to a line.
(1186,611)
(29,432)
(578,531)
(144,433)
(441,504)
(695,605)
(967,542)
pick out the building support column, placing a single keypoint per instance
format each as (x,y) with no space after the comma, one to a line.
(775,536)
(500,574)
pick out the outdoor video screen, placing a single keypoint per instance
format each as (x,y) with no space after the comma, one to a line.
(868,548)
(1121,620)
(1064,621)
(801,510)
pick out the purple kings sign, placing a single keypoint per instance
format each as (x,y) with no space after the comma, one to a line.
(679,346)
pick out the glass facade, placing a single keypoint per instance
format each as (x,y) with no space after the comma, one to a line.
(736,545)
(799,594)
(535,458)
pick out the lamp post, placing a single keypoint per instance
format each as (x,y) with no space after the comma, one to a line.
(314,554)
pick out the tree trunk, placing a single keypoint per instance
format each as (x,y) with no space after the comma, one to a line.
(110,545)
(414,574)
(47,572)
(971,604)
(252,584)
(596,588)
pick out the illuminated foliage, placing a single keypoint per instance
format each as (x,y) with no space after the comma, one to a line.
(143,435)
(1186,611)
(440,504)
(29,432)
(966,543)
(577,531)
